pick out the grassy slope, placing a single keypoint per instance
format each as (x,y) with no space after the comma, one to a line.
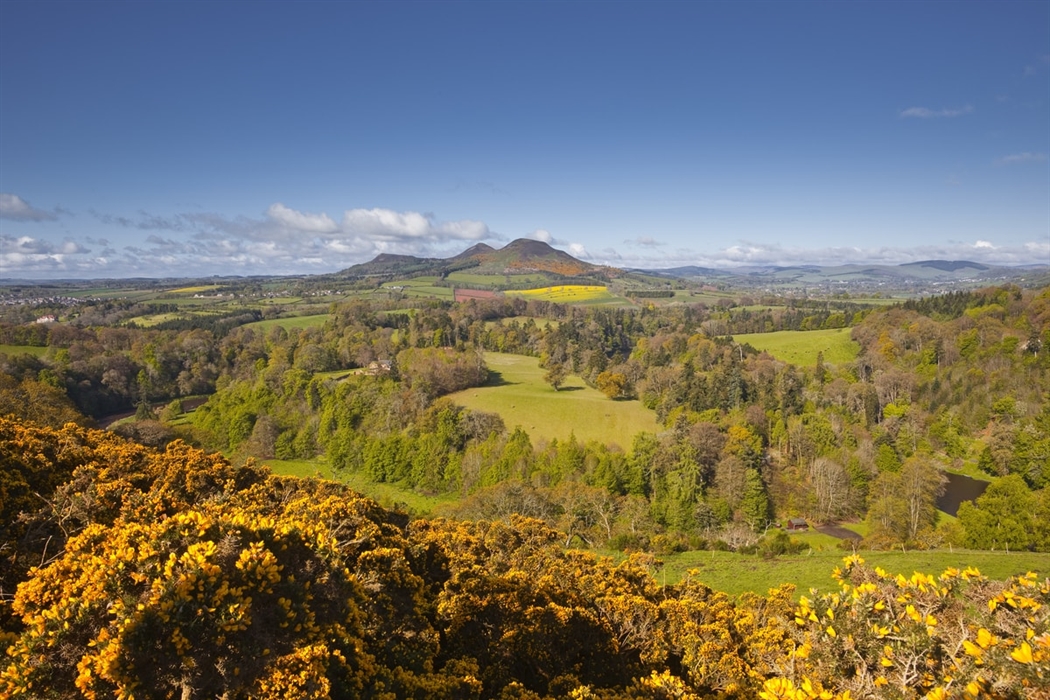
(801,347)
(523,398)
(387,495)
(290,322)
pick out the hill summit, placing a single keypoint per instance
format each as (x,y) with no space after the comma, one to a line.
(521,255)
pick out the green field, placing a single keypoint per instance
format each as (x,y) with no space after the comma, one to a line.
(801,347)
(34,350)
(736,573)
(494,280)
(420,287)
(290,322)
(522,397)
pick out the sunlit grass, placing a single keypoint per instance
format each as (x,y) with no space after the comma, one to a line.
(801,347)
(736,573)
(522,398)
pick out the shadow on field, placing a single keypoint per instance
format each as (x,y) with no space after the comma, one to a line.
(496,379)
(570,388)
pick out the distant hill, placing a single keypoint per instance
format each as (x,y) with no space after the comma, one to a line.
(520,256)
(905,275)
(947,265)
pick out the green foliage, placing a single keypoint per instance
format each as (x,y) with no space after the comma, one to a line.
(1005,516)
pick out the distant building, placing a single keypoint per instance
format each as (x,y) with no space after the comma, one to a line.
(376,367)
(797,524)
(49,318)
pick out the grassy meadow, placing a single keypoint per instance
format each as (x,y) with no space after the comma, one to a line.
(34,350)
(520,395)
(801,347)
(736,573)
(290,322)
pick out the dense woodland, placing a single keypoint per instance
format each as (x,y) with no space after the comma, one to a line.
(147,565)
(747,440)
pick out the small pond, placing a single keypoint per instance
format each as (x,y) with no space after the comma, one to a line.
(959,488)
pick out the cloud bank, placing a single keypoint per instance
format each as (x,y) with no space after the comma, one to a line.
(284,241)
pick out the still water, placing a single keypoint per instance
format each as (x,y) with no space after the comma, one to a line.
(960,488)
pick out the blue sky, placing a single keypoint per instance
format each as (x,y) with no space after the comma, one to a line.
(190,138)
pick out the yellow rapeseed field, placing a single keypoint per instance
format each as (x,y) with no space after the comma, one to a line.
(565,293)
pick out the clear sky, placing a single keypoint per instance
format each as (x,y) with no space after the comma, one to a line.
(200,138)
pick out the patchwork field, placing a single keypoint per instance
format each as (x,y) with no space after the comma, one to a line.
(801,347)
(519,394)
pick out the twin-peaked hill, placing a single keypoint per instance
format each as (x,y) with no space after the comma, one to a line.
(520,256)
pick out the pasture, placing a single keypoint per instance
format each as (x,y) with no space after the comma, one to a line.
(518,393)
(34,350)
(289,322)
(736,573)
(801,347)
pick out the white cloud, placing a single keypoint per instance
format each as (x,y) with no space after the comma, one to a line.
(17,209)
(577,250)
(290,218)
(541,235)
(984,244)
(25,254)
(1026,157)
(926,113)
